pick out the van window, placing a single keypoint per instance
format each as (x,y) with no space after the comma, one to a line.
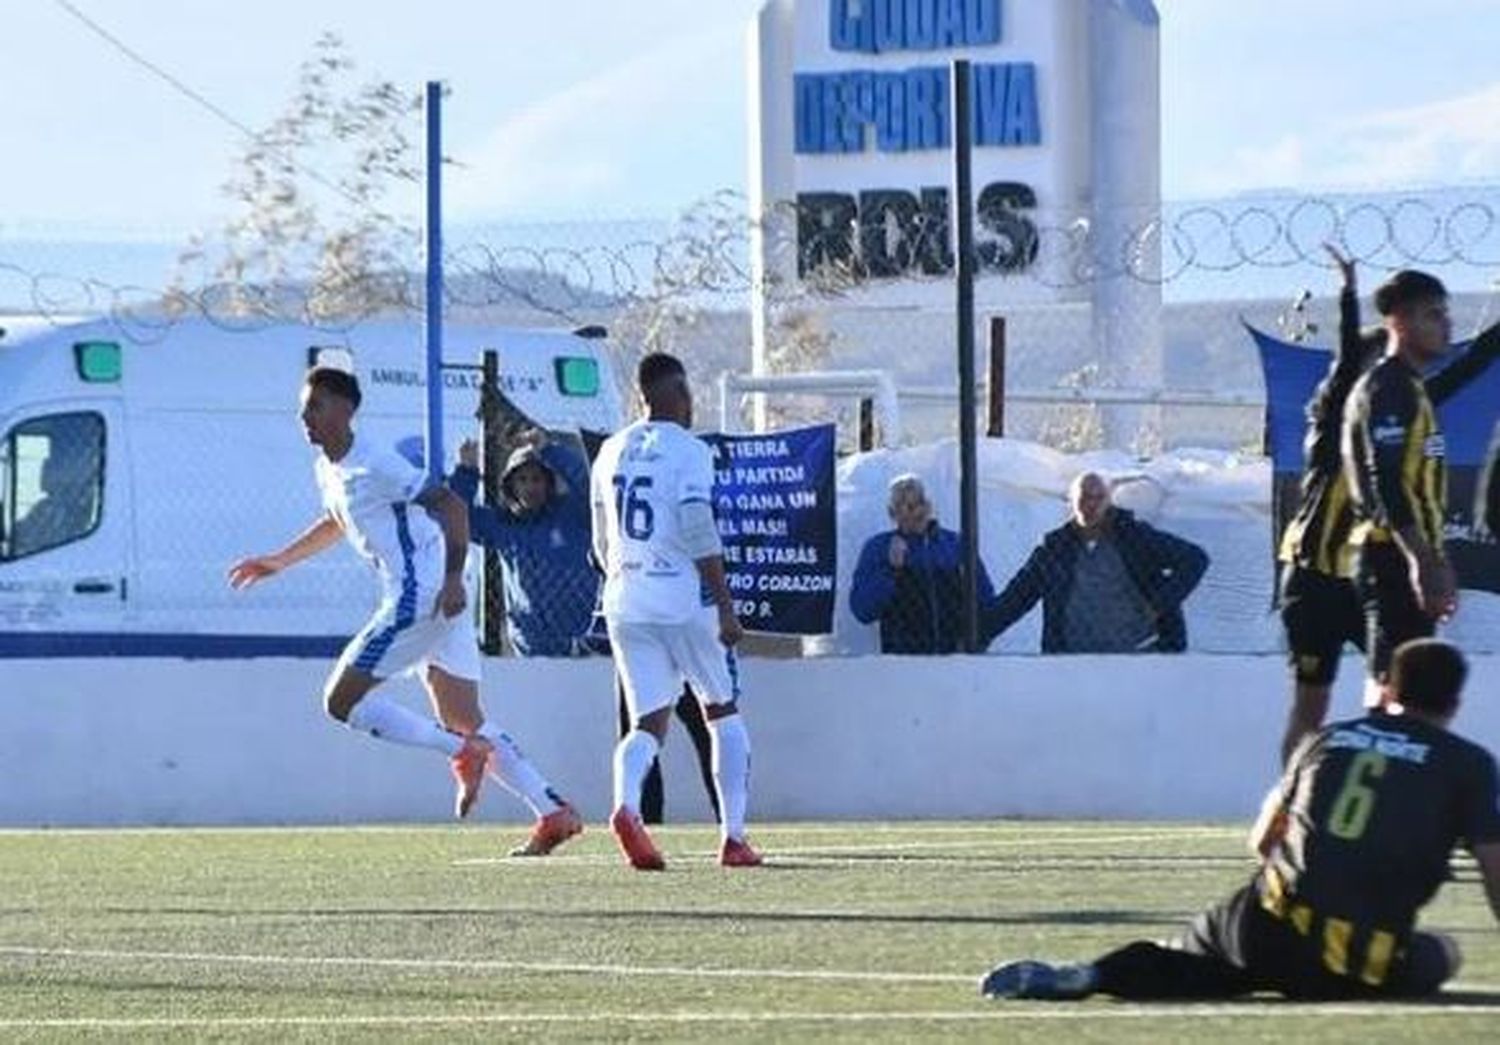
(51,482)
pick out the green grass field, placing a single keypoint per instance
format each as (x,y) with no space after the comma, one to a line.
(852,932)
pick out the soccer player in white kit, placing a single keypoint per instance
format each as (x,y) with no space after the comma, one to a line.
(667,605)
(416,537)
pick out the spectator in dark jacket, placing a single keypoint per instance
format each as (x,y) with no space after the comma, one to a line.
(1108,583)
(910,578)
(541,532)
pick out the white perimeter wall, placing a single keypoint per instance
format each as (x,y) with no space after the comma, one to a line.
(102,742)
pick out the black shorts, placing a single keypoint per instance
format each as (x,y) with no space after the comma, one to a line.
(1392,615)
(1320,614)
(1272,955)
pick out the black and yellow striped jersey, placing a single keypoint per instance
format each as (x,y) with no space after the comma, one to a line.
(1317,537)
(1374,808)
(1394,456)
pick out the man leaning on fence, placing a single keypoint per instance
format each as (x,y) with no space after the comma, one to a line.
(541,532)
(910,579)
(1107,582)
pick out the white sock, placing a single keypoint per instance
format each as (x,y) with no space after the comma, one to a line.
(386,720)
(633,757)
(732,772)
(515,771)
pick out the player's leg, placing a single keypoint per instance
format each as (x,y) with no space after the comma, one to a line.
(690,714)
(1314,641)
(1207,961)
(713,673)
(1392,615)
(452,680)
(651,684)
(653,797)
(1431,960)
(376,653)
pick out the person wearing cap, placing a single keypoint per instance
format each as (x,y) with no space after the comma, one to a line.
(541,530)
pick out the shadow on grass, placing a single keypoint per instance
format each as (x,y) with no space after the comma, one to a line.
(1071,917)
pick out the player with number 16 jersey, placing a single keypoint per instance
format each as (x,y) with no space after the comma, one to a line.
(667,604)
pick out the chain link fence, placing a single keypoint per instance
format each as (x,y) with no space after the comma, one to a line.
(1187,462)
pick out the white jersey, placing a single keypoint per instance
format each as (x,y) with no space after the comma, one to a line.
(369,491)
(640,480)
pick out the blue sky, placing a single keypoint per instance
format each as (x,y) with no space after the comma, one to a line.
(572,109)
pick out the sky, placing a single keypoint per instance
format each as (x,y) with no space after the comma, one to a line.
(573,109)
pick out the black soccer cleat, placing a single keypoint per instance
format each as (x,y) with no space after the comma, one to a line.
(1032,979)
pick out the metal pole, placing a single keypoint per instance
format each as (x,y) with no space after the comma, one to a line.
(492,592)
(963,225)
(866,424)
(996,427)
(434,312)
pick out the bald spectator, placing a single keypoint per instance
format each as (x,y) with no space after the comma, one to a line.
(1107,582)
(910,579)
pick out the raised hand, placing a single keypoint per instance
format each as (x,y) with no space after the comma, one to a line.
(1344,262)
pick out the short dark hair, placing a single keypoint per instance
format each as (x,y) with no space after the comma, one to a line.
(1406,288)
(335,382)
(655,366)
(1427,675)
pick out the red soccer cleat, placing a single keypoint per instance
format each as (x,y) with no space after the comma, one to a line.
(468,770)
(635,843)
(550,832)
(736,852)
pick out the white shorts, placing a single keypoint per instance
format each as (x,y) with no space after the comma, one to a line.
(655,659)
(395,640)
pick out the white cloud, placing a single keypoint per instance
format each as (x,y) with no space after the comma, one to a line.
(1435,142)
(606,144)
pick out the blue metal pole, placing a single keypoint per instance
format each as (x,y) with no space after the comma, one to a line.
(434,339)
(963,228)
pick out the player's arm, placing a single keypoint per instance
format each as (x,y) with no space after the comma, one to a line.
(1488,856)
(320,535)
(700,536)
(1479,821)
(599,518)
(1453,377)
(452,516)
(1353,349)
(1270,825)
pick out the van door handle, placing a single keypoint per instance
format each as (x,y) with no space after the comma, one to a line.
(93,587)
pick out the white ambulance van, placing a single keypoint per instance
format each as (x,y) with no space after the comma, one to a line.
(134,470)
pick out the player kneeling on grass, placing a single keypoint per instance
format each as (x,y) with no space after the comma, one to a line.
(1353,842)
(368,495)
(667,604)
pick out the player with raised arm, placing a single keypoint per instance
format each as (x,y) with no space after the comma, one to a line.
(368,494)
(667,605)
(1354,841)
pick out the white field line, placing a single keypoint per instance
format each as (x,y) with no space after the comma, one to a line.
(876,848)
(983,1013)
(582,968)
(475,965)
(1002,828)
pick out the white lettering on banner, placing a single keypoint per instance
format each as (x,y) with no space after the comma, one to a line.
(815,584)
(771,474)
(759,448)
(801,555)
(760,502)
(753,527)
